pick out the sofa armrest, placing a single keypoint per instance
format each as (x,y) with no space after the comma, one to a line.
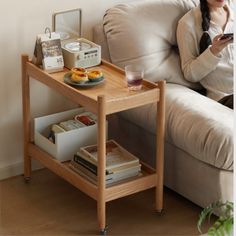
(195,124)
(200,126)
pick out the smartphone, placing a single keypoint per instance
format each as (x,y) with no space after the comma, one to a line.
(225,36)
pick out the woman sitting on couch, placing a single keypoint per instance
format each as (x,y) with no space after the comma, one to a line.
(207,56)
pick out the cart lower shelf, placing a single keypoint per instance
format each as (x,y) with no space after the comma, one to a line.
(122,188)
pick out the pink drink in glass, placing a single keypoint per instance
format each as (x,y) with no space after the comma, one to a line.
(134,76)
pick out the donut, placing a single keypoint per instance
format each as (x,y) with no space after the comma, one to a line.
(78,70)
(94,74)
(82,78)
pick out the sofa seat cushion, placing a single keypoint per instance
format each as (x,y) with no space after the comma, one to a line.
(144,32)
(194,123)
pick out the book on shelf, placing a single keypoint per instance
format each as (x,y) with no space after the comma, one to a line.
(116,156)
(91,164)
(120,164)
(109,178)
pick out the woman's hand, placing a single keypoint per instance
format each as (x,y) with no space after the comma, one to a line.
(219,44)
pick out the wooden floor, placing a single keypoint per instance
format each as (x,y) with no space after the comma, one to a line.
(50,206)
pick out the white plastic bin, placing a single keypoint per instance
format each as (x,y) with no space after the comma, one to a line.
(66,143)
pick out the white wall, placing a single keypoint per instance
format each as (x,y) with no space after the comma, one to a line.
(21,21)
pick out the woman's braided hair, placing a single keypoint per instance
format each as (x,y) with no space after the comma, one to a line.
(205,40)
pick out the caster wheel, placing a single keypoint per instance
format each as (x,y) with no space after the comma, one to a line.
(27,179)
(103,231)
(160,212)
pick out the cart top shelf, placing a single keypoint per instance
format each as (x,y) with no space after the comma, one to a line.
(114,89)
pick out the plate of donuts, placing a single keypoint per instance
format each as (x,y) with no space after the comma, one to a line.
(82,78)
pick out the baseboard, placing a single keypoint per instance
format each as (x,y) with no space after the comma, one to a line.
(16,169)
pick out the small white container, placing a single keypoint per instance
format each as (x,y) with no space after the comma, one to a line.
(66,143)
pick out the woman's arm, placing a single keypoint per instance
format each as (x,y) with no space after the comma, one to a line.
(195,67)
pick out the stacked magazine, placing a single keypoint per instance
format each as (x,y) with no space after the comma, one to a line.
(120,164)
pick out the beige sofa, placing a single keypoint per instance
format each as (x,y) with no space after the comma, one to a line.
(199,131)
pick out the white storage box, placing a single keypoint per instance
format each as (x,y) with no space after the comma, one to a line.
(66,143)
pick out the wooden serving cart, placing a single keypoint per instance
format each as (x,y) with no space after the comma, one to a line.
(109,97)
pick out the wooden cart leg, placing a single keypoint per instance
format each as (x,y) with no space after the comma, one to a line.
(26,117)
(101,134)
(160,147)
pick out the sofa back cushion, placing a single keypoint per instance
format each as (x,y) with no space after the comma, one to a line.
(144,32)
